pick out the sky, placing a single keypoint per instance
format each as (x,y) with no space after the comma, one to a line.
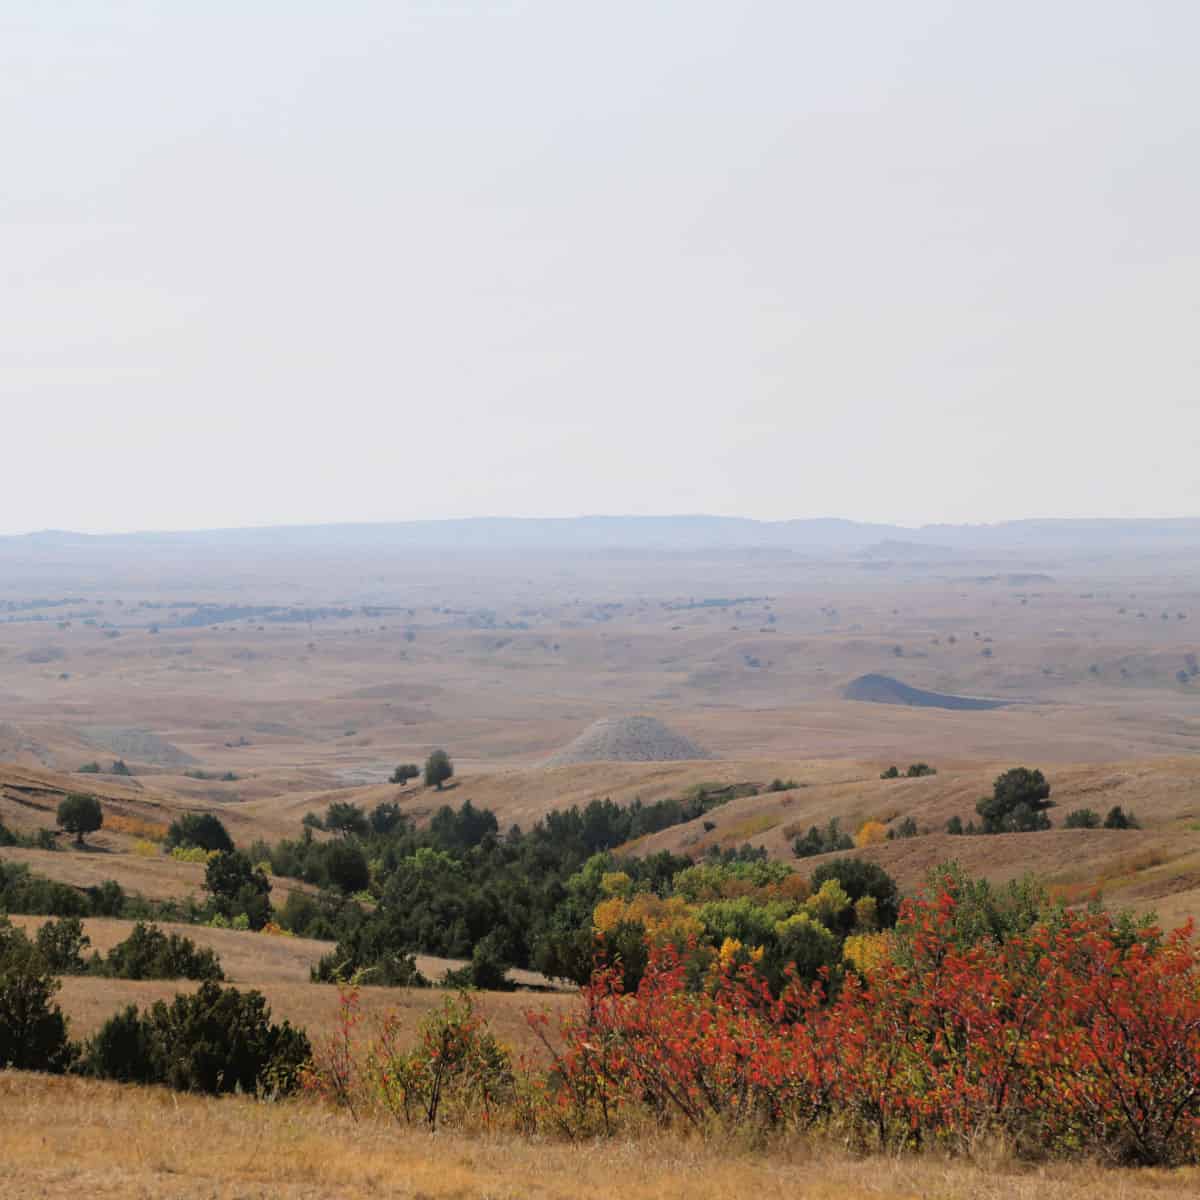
(285,261)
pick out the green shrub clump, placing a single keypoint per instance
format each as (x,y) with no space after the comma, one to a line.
(198,831)
(33,1030)
(214,1040)
(148,953)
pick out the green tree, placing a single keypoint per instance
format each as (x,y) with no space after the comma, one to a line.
(404,772)
(386,817)
(33,1030)
(1017,804)
(1082,818)
(346,819)
(60,945)
(79,814)
(202,830)
(860,878)
(459,831)
(438,768)
(237,886)
(346,867)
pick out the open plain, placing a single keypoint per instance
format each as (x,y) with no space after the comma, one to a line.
(261,680)
(261,675)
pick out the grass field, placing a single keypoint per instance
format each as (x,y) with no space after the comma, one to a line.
(63,1138)
(278,967)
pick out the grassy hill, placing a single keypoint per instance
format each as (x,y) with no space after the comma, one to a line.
(1155,867)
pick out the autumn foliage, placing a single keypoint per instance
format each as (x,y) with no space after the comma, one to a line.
(1079,1036)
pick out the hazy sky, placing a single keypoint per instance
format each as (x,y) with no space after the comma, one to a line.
(292,261)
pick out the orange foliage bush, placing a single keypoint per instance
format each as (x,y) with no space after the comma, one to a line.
(1078,1037)
(136,827)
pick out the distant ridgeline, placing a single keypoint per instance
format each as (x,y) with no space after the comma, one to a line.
(218,614)
(883,689)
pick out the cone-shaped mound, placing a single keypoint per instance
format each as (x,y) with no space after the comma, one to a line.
(628,739)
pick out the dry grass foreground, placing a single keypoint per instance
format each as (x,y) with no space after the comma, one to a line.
(64,1137)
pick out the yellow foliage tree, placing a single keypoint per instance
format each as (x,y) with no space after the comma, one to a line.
(828,904)
(616,883)
(866,951)
(668,921)
(871,833)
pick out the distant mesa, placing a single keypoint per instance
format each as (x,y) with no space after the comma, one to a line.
(628,739)
(883,689)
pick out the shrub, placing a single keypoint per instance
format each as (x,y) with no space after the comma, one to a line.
(488,968)
(235,886)
(954,825)
(33,1030)
(122,1049)
(1017,804)
(60,945)
(199,830)
(1118,818)
(1082,818)
(1067,1039)
(107,899)
(404,772)
(394,969)
(458,1071)
(346,867)
(822,841)
(192,854)
(214,1040)
(871,833)
(860,878)
(919,770)
(79,814)
(891,773)
(24,892)
(148,953)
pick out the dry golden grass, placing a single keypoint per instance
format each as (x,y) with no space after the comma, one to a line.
(278,967)
(157,877)
(257,959)
(64,1138)
(246,957)
(88,1001)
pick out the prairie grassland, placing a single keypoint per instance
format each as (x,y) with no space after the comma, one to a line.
(88,1001)
(256,959)
(65,1137)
